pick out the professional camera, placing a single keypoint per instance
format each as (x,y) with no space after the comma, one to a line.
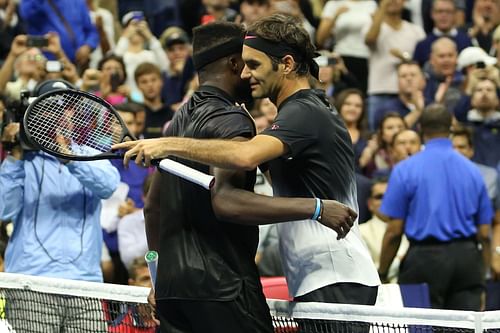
(14,113)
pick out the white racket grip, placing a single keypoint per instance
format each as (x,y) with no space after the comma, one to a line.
(183,171)
(151,258)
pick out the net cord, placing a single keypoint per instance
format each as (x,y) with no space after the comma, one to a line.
(50,285)
(477,321)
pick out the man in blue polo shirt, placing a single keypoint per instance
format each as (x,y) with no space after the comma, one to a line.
(438,199)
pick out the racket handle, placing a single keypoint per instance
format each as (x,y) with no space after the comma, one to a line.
(183,171)
(151,258)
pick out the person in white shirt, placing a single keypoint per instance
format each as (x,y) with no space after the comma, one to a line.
(390,39)
(344,20)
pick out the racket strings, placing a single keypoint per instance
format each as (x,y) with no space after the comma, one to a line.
(73,124)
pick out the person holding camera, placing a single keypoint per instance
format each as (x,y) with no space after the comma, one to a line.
(25,64)
(138,45)
(108,80)
(55,207)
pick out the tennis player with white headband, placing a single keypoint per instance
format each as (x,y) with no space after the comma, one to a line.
(309,154)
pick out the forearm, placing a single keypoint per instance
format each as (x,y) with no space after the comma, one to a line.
(219,153)
(372,34)
(324,31)
(152,213)
(11,189)
(484,239)
(244,207)
(413,117)
(100,177)
(390,246)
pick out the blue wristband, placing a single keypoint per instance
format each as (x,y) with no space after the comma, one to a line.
(317,211)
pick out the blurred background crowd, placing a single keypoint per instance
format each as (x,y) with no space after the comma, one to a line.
(381,63)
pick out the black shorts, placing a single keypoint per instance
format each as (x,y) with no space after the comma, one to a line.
(248,313)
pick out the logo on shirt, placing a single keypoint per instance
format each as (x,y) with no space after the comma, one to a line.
(275,127)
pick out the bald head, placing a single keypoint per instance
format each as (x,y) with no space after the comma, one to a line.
(444,56)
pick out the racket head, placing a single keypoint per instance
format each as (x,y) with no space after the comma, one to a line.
(74,125)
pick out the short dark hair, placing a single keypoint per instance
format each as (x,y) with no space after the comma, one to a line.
(286,29)
(117,58)
(146,68)
(210,36)
(465,132)
(408,63)
(435,119)
(127,107)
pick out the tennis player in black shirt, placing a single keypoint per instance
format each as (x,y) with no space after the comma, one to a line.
(310,156)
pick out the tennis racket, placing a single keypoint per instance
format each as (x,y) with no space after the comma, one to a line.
(75,125)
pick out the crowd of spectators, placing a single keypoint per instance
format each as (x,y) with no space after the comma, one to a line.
(383,63)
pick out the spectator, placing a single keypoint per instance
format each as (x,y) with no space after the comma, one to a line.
(484,119)
(390,39)
(462,142)
(376,156)
(334,77)
(70,19)
(149,81)
(105,24)
(485,18)
(438,199)
(27,65)
(252,10)
(404,144)
(476,65)
(10,26)
(218,10)
(374,229)
(444,82)
(410,101)
(54,205)
(344,20)
(443,15)
(351,106)
(421,13)
(131,46)
(109,80)
(181,69)
(132,240)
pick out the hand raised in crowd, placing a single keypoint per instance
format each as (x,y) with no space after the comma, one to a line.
(54,45)
(91,79)
(18,45)
(143,29)
(338,217)
(442,89)
(82,56)
(69,71)
(382,6)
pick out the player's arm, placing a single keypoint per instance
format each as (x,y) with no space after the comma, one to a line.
(246,155)
(390,246)
(152,206)
(233,204)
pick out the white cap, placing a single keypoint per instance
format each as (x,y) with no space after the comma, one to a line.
(472,55)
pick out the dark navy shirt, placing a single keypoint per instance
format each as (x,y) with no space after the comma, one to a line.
(439,193)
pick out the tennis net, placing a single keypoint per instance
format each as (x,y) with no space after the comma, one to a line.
(41,304)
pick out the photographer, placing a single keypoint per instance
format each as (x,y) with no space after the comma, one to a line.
(25,64)
(108,81)
(55,207)
(138,45)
